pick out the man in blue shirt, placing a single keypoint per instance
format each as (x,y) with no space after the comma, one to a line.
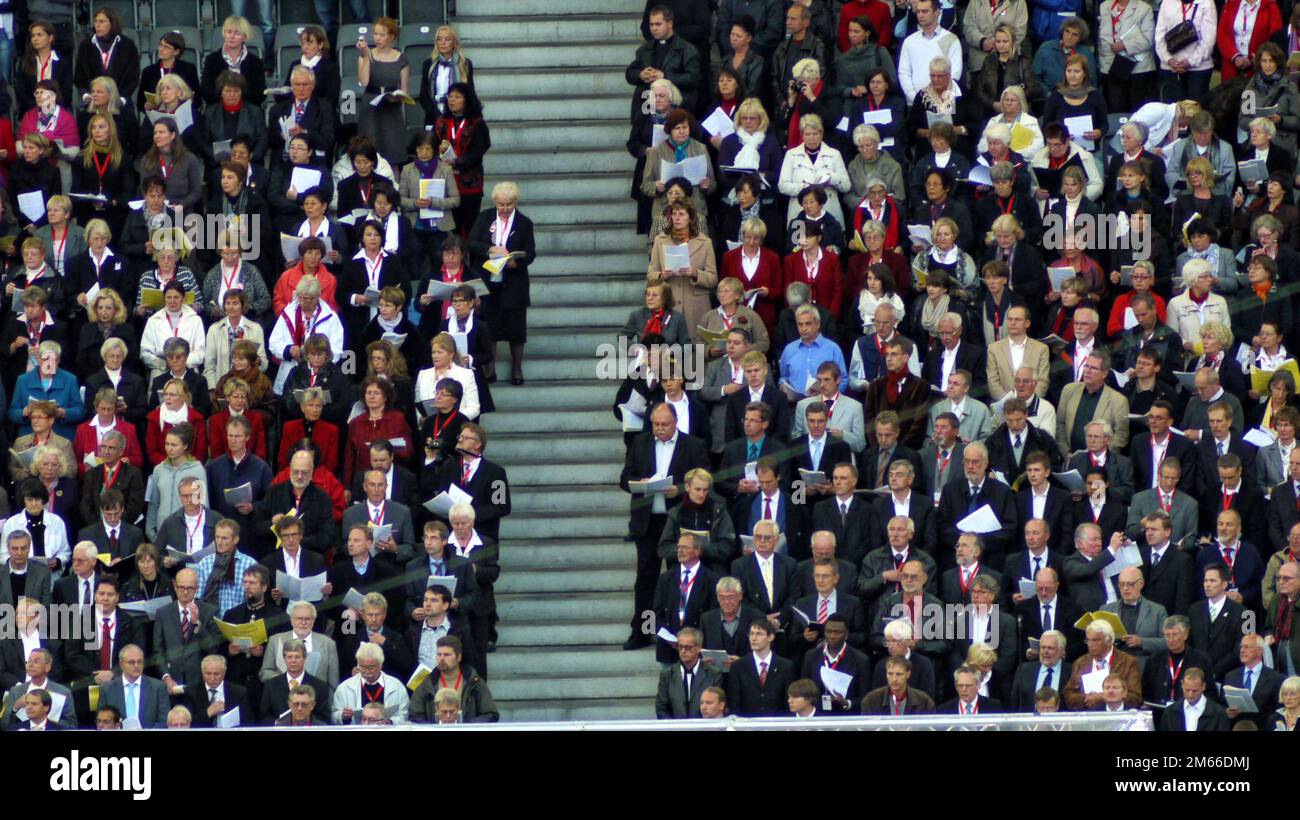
(801,358)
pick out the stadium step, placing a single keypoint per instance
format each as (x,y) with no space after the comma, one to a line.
(565,592)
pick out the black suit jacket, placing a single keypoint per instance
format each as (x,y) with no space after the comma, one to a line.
(1119,474)
(715,637)
(1021,565)
(275,698)
(1282,512)
(1113,518)
(700,421)
(1002,456)
(970,357)
(854,662)
(417,581)
(1208,464)
(1158,683)
(688,453)
(1172,582)
(834,451)
(746,697)
(1026,678)
(955,504)
(667,602)
(80,663)
(1058,512)
(853,535)
(309,563)
(319,532)
(1248,501)
(380,577)
(1180,448)
(1213,719)
(200,396)
(1029,615)
(129,537)
(847,605)
(950,583)
(782,417)
(404,489)
(1221,639)
(488,479)
(922,675)
(398,659)
(317,120)
(512,292)
(922,512)
(848,578)
(870,459)
(1265,695)
(196,698)
(65,589)
(784,582)
(983,706)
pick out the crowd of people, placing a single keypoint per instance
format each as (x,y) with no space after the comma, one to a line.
(999,412)
(255,448)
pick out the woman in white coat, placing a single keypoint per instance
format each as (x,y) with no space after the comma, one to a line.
(813,163)
(447,364)
(1185,73)
(175,320)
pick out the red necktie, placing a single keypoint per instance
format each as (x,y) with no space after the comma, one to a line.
(106,647)
(823,612)
(767,509)
(762,673)
(464,472)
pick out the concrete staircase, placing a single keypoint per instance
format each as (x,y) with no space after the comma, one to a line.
(565,594)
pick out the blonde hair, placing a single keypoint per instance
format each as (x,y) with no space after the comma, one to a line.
(175,81)
(462,65)
(754,107)
(114,95)
(1204,167)
(807,69)
(114,142)
(241,23)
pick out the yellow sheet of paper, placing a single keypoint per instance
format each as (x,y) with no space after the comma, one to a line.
(153,297)
(1021,138)
(711,336)
(105,558)
(1109,617)
(1259,379)
(417,677)
(93,694)
(254,631)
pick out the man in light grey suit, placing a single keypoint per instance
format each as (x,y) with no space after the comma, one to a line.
(36,581)
(322,654)
(134,694)
(1143,619)
(845,420)
(671,701)
(724,377)
(1183,509)
(377,509)
(39,664)
(976,420)
(1271,468)
(937,456)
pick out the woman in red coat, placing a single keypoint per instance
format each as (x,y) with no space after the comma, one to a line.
(91,432)
(377,422)
(819,269)
(175,408)
(325,434)
(757,268)
(236,394)
(1243,28)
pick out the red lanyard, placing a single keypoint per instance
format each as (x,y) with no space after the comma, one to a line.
(727,321)
(1114,21)
(834,664)
(162,168)
(812,271)
(442,682)
(59,244)
(175,328)
(229,281)
(943,461)
(35,332)
(1163,505)
(372,271)
(1011,203)
(101,169)
(454,132)
(1184,5)
(110,476)
(105,58)
(439,427)
(189,533)
(375,698)
(966,578)
(365,192)
(1227,500)
(1174,671)
(41,68)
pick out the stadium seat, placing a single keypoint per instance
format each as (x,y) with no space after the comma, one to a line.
(421,11)
(419,35)
(350,84)
(194,44)
(126,9)
(347,48)
(170,13)
(287,47)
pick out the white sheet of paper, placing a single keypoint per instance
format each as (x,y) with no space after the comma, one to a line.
(982,521)
(881,116)
(657,136)
(432,189)
(148,607)
(228,720)
(304,179)
(301,589)
(843,124)
(354,599)
(1125,557)
(837,682)
(979,175)
(1071,479)
(664,635)
(751,471)
(1077,126)
(462,343)
(921,234)
(931,118)
(32,205)
(676,257)
(1130,319)
(131,724)
(1238,698)
(636,402)
(650,486)
(693,169)
(718,124)
(1058,275)
(243,494)
(1121,378)
(1260,437)
(448,581)
(1027,588)
(1092,681)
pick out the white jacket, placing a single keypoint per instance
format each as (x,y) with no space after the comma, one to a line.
(798,172)
(216,359)
(327,322)
(1090,169)
(915,55)
(157,331)
(426,386)
(56,538)
(348,696)
(1205,17)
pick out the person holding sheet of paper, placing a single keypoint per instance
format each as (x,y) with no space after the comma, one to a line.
(692,285)
(1102,660)
(238,114)
(932,190)
(942,100)
(167,271)
(1143,279)
(429,195)
(31,179)
(1074,99)
(678,151)
(291,184)
(854,66)
(177,164)
(812,162)
(959,499)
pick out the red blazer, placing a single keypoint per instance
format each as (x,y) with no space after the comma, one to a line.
(768,276)
(828,289)
(326,480)
(155,434)
(1268,21)
(86,441)
(855,279)
(324,433)
(217,433)
(362,431)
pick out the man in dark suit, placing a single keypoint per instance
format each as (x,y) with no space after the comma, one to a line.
(1170,572)
(276,690)
(1040,553)
(1233,492)
(374,508)
(897,697)
(1284,504)
(1159,443)
(733,482)
(37,703)
(1217,621)
(817,451)
(78,586)
(183,633)
(174,531)
(111,533)
(901,502)
(900,643)
(757,389)
(487,482)
(664,453)
(291,558)
(988,624)
(900,392)
(726,626)
(1049,610)
(824,601)
(213,697)
(834,652)
(20,576)
(681,683)
(402,485)
(242,664)
(113,474)
(768,577)
(437,621)
(317,119)
(1049,671)
(961,498)
(1083,570)
(1040,500)
(1222,441)
(308,502)
(364,574)
(437,560)
(1162,677)
(951,355)
(376,627)
(135,694)
(682,594)
(1194,705)
(938,464)
(1013,441)
(772,503)
(823,546)
(884,448)
(1263,683)
(692,415)
(1245,564)
(955,584)
(969,701)
(1099,455)
(94,663)
(757,683)
(881,573)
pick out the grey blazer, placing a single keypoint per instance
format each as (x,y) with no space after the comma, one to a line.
(322,661)
(154,701)
(403,532)
(180,658)
(40,584)
(67,718)
(1184,514)
(716,377)
(1268,467)
(976,423)
(171,531)
(846,416)
(670,701)
(1150,627)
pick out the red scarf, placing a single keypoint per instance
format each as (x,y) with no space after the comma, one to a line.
(655,324)
(232,109)
(1197,300)
(794,136)
(894,384)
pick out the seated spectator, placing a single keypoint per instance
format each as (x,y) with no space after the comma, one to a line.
(236,405)
(90,434)
(176,355)
(49,383)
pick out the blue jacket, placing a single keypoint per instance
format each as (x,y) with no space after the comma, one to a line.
(63,391)
(1045,20)
(1049,62)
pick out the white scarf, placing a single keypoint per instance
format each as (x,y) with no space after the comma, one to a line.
(747,157)
(310,62)
(166,417)
(948,257)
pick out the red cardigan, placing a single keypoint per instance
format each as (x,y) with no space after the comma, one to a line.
(155,435)
(362,431)
(217,433)
(1268,21)
(768,276)
(877,12)
(87,442)
(324,433)
(828,289)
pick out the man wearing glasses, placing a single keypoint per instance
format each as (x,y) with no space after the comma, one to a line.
(183,634)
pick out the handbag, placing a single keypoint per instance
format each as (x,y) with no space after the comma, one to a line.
(1121,67)
(1181,36)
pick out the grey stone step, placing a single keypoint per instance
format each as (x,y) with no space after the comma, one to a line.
(532,448)
(561,369)
(493,83)
(613,158)
(566,582)
(576,686)
(570,187)
(521,54)
(557,661)
(550,475)
(621,291)
(550,7)
(592,498)
(577,710)
(578,215)
(608,317)
(607,525)
(610,237)
(568,553)
(610,105)
(547,29)
(577,395)
(593,131)
(632,258)
(560,423)
(564,606)
(561,634)
(579,337)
